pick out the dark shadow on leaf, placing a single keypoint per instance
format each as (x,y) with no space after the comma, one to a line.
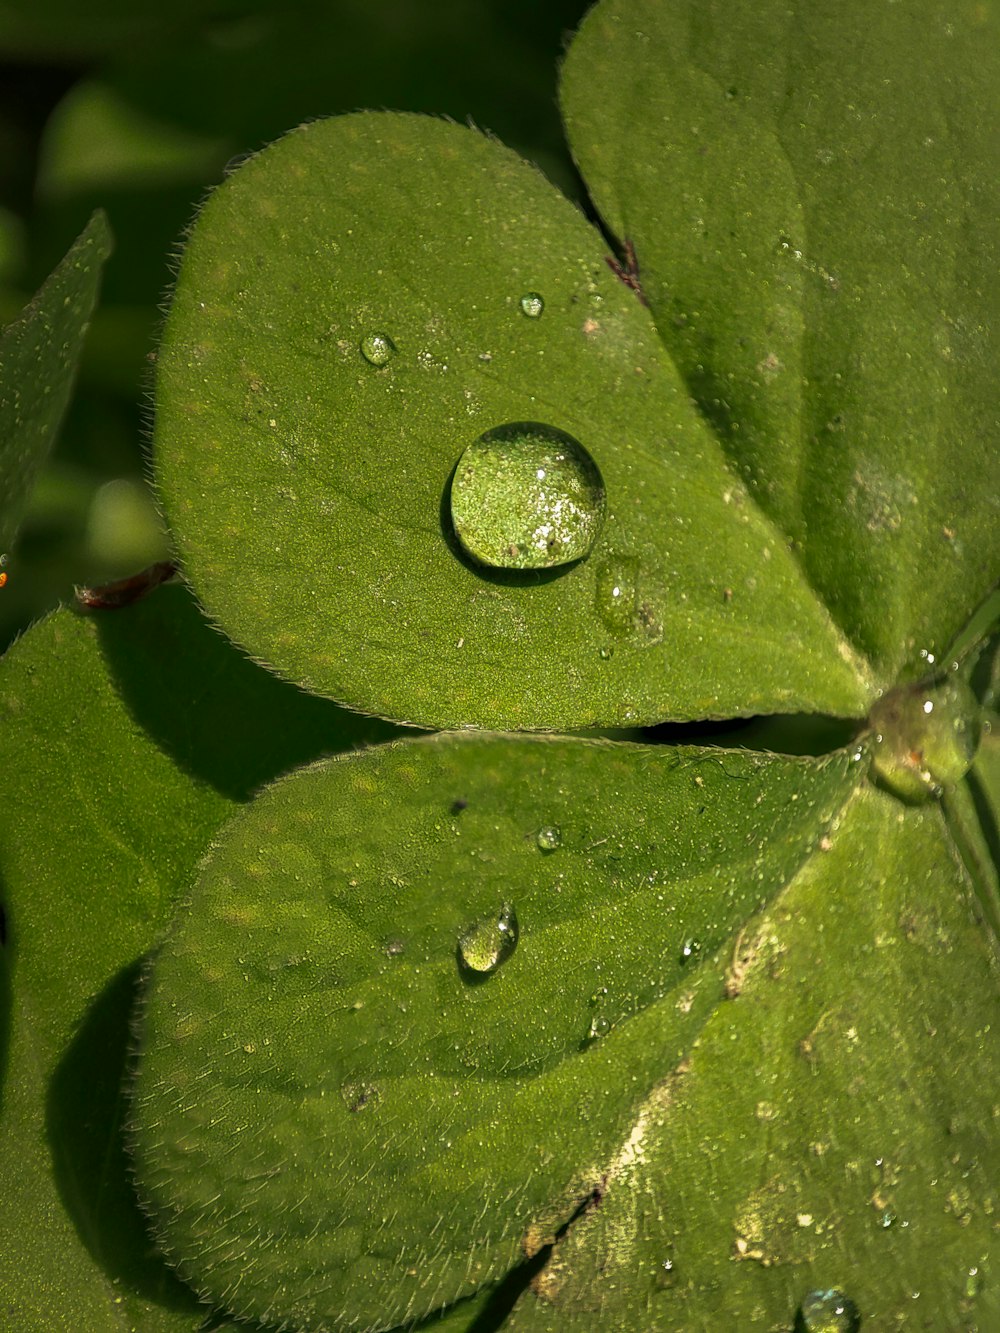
(85,1109)
(501,1301)
(990,829)
(791,733)
(987,816)
(984,669)
(223,719)
(508,1292)
(510,1289)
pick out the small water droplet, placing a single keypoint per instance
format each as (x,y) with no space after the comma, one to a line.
(600,1026)
(378,349)
(615,593)
(394,947)
(488,943)
(359,1095)
(887,1219)
(532,304)
(527,496)
(690,950)
(828,1311)
(666,1276)
(549,838)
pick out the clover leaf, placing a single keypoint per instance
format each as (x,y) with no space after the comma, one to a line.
(360,305)
(545,1032)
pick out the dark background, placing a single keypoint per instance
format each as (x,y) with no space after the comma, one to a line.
(137,107)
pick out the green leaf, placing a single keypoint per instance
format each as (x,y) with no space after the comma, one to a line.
(38,358)
(97,141)
(812,192)
(309,486)
(126,738)
(832,1127)
(344,1116)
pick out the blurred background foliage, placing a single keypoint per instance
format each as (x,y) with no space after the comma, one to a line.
(140,108)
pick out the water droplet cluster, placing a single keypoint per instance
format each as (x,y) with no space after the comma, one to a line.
(925,737)
(527,496)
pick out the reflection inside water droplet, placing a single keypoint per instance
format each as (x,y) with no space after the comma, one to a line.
(527,496)
(487,944)
(378,349)
(828,1311)
(532,304)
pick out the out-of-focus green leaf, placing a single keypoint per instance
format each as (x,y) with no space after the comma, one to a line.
(38,358)
(833,1127)
(309,486)
(94,140)
(125,740)
(160,111)
(359,1100)
(812,191)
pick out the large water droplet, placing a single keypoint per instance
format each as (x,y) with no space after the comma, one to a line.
(377,348)
(926,737)
(828,1311)
(549,838)
(615,593)
(532,304)
(527,496)
(488,943)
